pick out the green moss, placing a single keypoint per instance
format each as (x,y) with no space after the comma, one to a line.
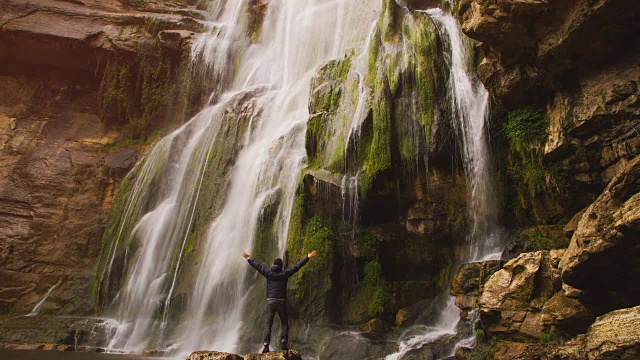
(312,285)
(378,155)
(550,337)
(372,296)
(423,38)
(328,88)
(388,21)
(526,128)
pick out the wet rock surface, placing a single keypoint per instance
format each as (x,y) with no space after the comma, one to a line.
(273,355)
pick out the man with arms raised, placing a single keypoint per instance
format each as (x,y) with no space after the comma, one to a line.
(277,294)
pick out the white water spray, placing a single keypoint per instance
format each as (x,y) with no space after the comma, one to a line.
(296,37)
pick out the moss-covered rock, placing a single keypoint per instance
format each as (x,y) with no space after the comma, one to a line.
(372,296)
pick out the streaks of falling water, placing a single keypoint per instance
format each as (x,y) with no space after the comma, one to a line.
(470,105)
(296,38)
(36,309)
(158,232)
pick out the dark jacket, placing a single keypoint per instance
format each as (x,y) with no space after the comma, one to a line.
(276,277)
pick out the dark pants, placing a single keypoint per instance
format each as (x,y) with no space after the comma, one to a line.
(276,306)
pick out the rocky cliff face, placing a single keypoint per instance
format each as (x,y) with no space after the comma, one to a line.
(68,71)
(569,68)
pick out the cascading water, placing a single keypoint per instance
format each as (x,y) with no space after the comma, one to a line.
(38,307)
(295,38)
(470,105)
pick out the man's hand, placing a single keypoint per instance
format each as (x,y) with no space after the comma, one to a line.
(311,254)
(245,254)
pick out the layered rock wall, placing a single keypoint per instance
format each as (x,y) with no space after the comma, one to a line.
(63,151)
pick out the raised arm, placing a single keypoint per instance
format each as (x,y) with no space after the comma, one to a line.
(294,269)
(256,265)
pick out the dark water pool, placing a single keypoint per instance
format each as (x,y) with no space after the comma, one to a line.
(63,355)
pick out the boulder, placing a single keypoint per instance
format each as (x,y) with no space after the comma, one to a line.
(615,335)
(517,286)
(275,355)
(514,296)
(213,355)
(468,282)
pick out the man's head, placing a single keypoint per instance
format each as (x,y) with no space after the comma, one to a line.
(278,262)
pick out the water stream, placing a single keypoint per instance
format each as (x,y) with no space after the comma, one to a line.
(470,105)
(36,309)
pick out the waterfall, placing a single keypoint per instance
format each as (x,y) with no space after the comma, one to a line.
(263,84)
(36,309)
(470,105)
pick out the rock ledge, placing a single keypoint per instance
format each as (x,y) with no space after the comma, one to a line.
(273,355)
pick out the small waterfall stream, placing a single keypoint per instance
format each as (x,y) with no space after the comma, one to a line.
(38,307)
(470,105)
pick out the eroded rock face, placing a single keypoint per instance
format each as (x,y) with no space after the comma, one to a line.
(603,249)
(56,189)
(513,297)
(533,45)
(59,166)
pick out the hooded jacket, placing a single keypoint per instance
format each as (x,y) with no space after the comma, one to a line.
(276,277)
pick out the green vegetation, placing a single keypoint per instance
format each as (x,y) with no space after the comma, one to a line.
(137,92)
(523,134)
(526,129)
(372,296)
(388,21)
(312,285)
(550,337)
(328,89)
(378,153)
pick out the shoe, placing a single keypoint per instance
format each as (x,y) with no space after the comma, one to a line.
(284,346)
(266,349)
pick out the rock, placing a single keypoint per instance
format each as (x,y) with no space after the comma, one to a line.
(603,246)
(514,296)
(275,355)
(69,35)
(528,45)
(615,335)
(568,315)
(468,282)
(376,325)
(409,313)
(154,353)
(213,355)
(516,287)
(572,225)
